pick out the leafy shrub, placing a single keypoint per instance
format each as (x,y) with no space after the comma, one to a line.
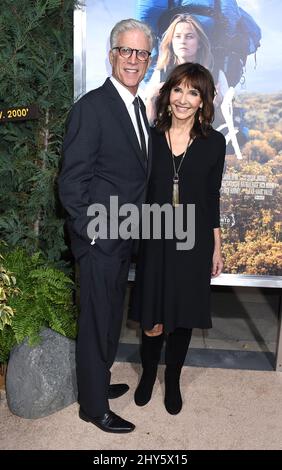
(45,300)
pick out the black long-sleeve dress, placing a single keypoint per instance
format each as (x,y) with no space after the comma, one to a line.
(173,286)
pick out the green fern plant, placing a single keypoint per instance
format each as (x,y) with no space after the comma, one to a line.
(45,300)
(7,289)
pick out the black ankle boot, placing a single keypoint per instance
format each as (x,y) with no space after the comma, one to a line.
(176,349)
(150,355)
(173,399)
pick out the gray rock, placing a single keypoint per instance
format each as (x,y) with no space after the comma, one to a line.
(42,379)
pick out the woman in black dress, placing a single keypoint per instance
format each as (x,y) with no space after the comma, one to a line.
(172,289)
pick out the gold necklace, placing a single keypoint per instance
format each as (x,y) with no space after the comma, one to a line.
(175,179)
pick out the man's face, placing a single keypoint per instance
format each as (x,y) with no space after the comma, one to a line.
(130,72)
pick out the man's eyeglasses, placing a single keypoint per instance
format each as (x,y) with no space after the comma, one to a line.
(127,52)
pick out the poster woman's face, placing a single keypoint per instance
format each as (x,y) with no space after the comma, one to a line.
(185,43)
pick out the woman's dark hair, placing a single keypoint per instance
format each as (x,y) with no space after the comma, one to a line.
(195,76)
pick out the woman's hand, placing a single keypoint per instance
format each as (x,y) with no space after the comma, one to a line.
(217,263)
(218,97)
(151,96)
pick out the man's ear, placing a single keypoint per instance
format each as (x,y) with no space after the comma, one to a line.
(111,57)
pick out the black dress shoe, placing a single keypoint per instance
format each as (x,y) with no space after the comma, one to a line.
(117,390)
(109,422)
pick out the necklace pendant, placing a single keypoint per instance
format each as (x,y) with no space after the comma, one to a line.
(175,192)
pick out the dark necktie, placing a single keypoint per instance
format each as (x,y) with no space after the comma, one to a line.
(140,128)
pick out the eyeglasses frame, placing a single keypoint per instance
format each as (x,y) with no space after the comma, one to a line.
(132,50)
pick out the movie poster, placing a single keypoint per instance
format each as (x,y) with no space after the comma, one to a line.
(240,42)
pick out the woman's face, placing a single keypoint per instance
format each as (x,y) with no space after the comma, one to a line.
(184,101)
(185,43)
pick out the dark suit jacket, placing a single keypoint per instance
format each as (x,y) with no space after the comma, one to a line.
(102,158)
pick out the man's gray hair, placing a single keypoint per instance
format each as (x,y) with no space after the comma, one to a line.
(128,25)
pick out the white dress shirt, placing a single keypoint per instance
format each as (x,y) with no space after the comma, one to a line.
(128,99)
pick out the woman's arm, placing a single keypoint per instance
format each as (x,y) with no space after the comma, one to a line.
(151,93)
(214,206)
(221,88)
(217,260)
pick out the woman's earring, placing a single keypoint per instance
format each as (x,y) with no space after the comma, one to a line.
(200,117)
(169,110)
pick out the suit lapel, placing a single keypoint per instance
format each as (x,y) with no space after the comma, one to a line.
(119,110)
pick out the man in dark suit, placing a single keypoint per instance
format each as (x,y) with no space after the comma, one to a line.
(106,153)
